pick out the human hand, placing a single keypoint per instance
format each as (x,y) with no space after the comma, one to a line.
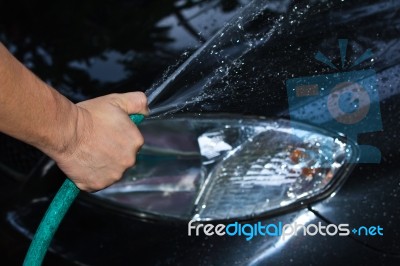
(104,142)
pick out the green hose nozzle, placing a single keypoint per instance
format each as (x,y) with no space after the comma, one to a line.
(54,215)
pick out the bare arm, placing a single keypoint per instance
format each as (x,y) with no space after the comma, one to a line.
(93,142)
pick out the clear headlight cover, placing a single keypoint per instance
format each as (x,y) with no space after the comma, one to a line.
(211,168)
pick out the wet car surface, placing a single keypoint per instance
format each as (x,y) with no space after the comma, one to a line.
(260,55)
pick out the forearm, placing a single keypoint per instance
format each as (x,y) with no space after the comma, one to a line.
(93,142)
(32,111)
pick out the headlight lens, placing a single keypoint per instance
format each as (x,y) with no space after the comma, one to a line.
(228,168)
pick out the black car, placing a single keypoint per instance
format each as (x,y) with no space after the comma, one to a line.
(251,135)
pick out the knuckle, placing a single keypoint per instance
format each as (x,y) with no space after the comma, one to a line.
(96,186)
(129,161)
(132,161)
(142,99)
(139,141)
(115,98)
(115,177)
(84,187)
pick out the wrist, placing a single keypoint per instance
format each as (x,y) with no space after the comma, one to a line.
(58,137)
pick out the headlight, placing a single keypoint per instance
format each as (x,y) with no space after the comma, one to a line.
(211,168)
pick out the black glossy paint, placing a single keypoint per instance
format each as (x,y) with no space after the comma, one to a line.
(107,238)
(97,236)
(97,47)
(94,235)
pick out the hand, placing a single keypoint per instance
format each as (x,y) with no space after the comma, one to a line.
(105,141)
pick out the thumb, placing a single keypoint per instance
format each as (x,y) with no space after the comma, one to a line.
(133,102)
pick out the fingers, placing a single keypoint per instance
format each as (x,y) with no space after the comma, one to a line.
(137,137)
(132,102)
(109,141)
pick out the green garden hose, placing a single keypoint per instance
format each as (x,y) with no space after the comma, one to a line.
(54,215)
